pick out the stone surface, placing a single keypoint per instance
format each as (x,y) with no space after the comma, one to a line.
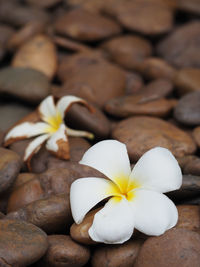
(134,83)
(44,3)
(78,146)
(187,80)
(63,251)
(189,217)
(187,110)
(128,50)
(88,26)
(196,135)
(192,167)
(191,6)
(116,255)
(143,133)
(12,113)
(26,84)
(145,17)
(38,53)
(177,247)
(181,47)
(21,243)
(79,117)
(52,214)
(6,33)
(10,165)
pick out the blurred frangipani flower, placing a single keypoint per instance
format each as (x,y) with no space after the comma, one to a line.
(136,198)
(51,128)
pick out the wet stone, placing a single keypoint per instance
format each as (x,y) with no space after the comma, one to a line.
(10,165)
(145,17)
(38,53)
(181,47)
(187,80)
(177,247)
(117,255)
(187,110)
(143,133)
(189,217)
(26,84)
(88,27)
(21,243)
(63,251)
(52,214)
(128,50)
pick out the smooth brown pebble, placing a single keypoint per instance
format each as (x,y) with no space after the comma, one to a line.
(142,133)
(177,247)
(196,135)
(192,167)
(43,3)
(64,252)
(189,217)
(134,83)
(10,164)
(21,243)
(191,6)
(38,53)
(116,255)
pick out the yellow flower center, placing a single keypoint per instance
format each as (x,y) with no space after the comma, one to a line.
(123,188)
(54,122)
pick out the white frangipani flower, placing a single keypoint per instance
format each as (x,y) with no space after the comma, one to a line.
(135,197)
(51,128)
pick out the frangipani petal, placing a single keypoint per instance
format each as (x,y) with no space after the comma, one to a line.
(72,132)
(66,102)
(111,158)
(113,224)
(47,109)
(154,212)
(157,170)
(25,130)
(34,147)
(58,143)
(85,193)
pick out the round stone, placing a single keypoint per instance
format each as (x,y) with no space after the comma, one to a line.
(44,3)
(88,26)
(10,164)
(143,133)
(26,84)
(177,247)
(187,110)
(21,243)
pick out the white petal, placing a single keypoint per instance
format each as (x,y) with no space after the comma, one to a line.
(58,143)
(77,133)
(158,170)
(113,224)
(111,158)
(34,146)
(85,193)
(154,212)
(25,130)
(47,108)
(65,103)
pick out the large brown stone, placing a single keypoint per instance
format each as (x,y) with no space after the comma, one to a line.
(191,6)
(83,25)
(63,251)
(10,165)
(21,243)
(44,3)
(143,133)
(181,47)
(177,247)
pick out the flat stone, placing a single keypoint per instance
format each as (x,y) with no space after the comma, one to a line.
(145,17)
(187,110)
(63,251)
(143,133)
(191,6)
(177,247)
(196,135)
(192,167)
(134,83)
(1,137)
(78,146)
(79,117)
(44,3)
(187,80)
(21,243)
(51,214)
(27,84)
(189,217)
(128,50)
(10,165)
(13,112)
(91,5)
(117,255)
(88,27)
(38,53)
(181,47)
(6,33)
